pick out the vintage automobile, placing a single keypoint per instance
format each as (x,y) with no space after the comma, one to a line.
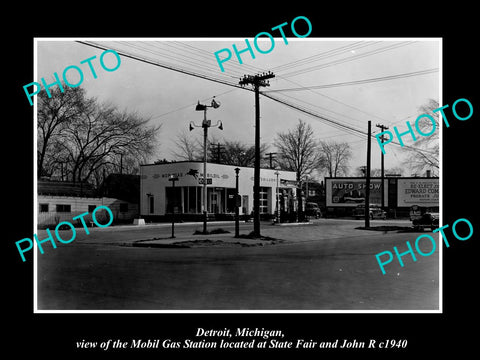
(312,209)
(422,218)
(376,212)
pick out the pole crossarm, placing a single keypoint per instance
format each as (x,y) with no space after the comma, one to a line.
(257,80)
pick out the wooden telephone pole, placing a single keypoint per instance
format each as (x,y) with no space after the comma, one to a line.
(257,81)
(383,128)
(367,180)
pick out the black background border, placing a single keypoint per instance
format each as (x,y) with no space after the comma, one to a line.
(434,334)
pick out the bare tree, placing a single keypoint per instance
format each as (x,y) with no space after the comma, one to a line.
(53,114)
(424,154)
(99,138)
(335,156)
(187,147)
(234,152)
(377,172)
(239,154)
(298,149)
(299,152)
(90,139)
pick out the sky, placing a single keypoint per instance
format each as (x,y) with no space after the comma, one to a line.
(168,97)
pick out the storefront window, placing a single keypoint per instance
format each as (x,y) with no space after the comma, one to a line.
(192,199)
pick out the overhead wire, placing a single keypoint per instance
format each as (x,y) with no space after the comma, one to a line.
(323,55)
(339,102)
(208,55)
(203,53)
(319,107)
(347,59)
(362,81)
(349,129)
(163,64)
(180,58)
(191,104)
(331,122)
(334,123)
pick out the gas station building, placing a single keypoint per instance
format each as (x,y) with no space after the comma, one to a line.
(160,196)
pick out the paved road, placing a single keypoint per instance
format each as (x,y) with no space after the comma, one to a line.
(328,265)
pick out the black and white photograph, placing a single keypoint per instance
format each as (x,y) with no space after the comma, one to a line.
(223,186)
(156,132)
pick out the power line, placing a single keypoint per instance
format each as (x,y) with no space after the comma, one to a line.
(338,101)
(208,55)
(189,72)
(347,59)
(163,65)
(176,57)
(363,81)
(190,105)
(331,122)
(351,130)
(318,106)
(324,55)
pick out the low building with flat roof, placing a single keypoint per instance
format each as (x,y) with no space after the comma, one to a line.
(158,197)
(59,201)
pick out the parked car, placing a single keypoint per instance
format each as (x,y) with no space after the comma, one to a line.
(421,218)
(376,212)
(428,219)
(312,209)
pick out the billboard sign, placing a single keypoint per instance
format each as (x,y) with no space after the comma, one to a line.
(418,191)
(350,192)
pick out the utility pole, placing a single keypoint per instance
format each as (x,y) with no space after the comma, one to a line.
(237,204)
(271,157)
(382,128)
(367,181)
(257,81)
(277,213)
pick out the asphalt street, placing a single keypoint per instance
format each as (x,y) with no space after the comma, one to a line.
(326,265)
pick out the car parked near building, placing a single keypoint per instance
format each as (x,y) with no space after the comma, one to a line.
(376,212)
(421,218)
(312,209)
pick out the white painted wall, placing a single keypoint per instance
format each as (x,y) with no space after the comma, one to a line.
(154,179)
(79,205)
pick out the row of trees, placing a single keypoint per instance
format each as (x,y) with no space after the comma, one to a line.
(82,140)
(297,150)
(236,153)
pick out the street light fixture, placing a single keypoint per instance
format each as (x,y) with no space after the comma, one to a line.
(237,204)
(205,125)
